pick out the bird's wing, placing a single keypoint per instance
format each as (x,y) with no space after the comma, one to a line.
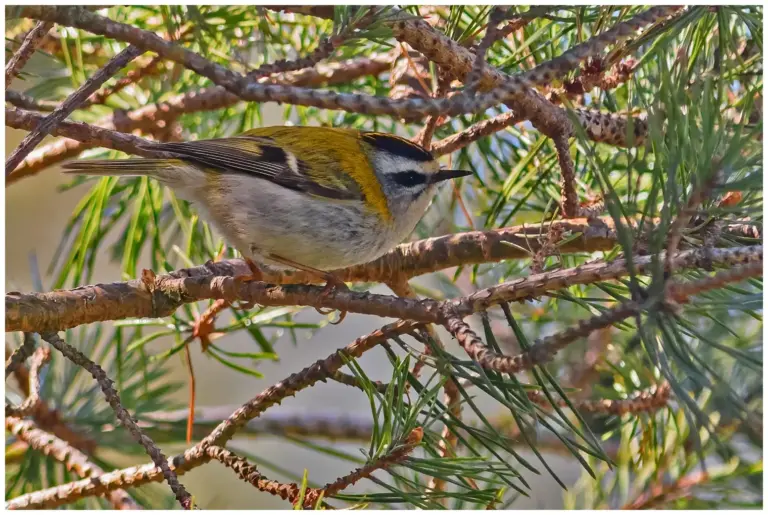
(259,157)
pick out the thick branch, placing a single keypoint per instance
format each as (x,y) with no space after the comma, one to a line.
(407,260)
(68,308)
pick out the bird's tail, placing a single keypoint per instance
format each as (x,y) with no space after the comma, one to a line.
(163,169)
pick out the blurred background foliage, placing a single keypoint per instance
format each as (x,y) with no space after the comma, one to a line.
(699,78)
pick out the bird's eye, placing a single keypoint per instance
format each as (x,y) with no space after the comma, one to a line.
(410,179)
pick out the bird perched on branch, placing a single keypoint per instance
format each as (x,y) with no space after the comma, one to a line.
(310,198)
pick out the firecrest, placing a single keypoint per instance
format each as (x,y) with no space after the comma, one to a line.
(312,198)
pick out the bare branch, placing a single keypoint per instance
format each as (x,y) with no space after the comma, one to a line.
(61,451)
(39,358)
(20,355)
(50,122)
(26,102)
(22,55)
(107,386)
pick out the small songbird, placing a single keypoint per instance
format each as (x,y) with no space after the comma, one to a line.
(311,198)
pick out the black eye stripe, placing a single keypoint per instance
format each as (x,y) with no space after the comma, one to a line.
(409,179)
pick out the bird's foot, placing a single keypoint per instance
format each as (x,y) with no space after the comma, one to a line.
(255,275)
(332,285)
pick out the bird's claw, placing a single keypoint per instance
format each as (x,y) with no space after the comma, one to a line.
(332,285)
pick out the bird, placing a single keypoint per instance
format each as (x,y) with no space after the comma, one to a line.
(310,198)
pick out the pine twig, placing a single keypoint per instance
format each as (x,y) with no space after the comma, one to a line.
(452,397)
(19,99)
(477,131)
(570,199)
(39,359)
(540,352)
(132,77)
(324,424)
(20,355)
(681,293)
(107,386)
(61,451)
(250,474)
(544,349)
(395,456)
(492,34)
(91,135)
(555,68)
(698,195)
(644,402)
(22,55)
(50,122)
(350,380)
(47,418)
(661,494)
(130,477)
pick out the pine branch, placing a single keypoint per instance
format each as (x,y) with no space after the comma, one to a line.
(544,349)
(64,309)
(203,100)
(547,118)
(198,454)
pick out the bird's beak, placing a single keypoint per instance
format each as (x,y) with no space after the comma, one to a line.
(446,175)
